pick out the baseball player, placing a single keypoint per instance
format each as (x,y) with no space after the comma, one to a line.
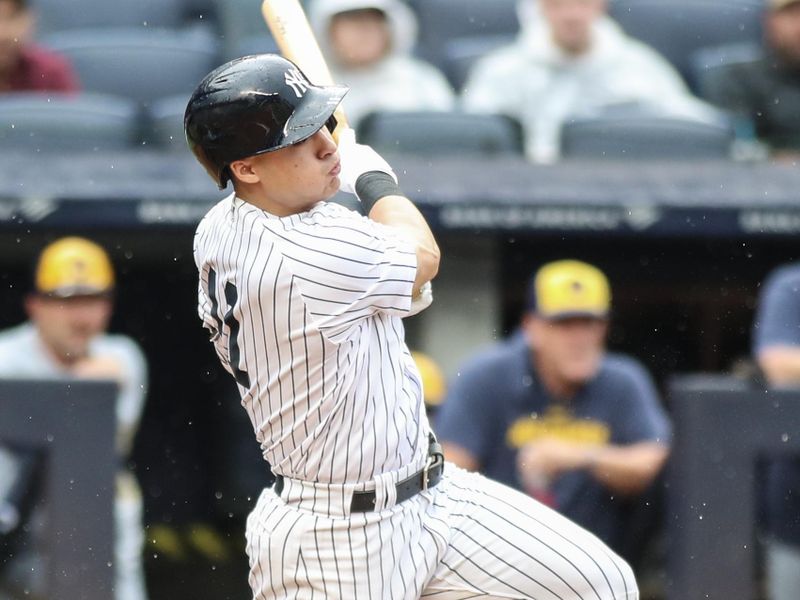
(304,301)
(65,338)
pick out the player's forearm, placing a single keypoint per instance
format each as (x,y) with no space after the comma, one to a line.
(400,213)
(781,365)
(627,470)
(460,457)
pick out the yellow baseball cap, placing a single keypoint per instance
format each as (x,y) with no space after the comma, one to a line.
(73,266)
(569,288)
(433,380)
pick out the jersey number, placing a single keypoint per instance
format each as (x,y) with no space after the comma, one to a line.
(231,296)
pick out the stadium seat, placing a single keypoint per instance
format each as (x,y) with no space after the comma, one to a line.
(240,20)
(58,122)
(677,28)
(708,64)
(139,64)
(441,22)
(431,133)
(59,15)
(645,137)
(461,53)
(253,44)
(163,126)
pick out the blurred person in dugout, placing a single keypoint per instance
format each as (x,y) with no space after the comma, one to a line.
(776,349)
(765,92)
(65,338)
(570,60)
(369,45)
(551,412)
(433,382)
(25,66)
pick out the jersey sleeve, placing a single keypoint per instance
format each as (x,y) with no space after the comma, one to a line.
(777,321)
(346,267)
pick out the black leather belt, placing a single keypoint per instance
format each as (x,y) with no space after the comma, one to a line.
(427,477)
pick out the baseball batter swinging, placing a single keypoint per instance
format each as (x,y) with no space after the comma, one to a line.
(304,301)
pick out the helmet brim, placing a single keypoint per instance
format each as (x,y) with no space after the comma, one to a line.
(318,105)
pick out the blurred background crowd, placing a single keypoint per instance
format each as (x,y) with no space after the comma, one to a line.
(565,399)
(715,79)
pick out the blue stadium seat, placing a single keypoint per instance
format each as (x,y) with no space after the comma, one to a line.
(441,22)
(431,133)
(642,137)
(240,20)
(58,122)
(259,43)
(58,15)
(677,28)
(459,54)
(708,64)
(163,127)
(139,64)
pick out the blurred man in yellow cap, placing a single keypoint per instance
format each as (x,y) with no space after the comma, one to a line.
(69,309)
(550,412)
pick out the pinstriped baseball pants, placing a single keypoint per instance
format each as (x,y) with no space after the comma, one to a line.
(468,537)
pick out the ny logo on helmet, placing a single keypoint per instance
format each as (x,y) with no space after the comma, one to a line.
(296,81)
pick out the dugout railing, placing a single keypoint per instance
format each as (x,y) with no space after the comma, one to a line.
(72,425)
(723,428)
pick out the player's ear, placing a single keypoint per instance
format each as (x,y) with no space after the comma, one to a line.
(32,303)
(243,171)
(533,329)
(25,23)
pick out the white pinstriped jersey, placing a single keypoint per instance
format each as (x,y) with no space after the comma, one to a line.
(305,312)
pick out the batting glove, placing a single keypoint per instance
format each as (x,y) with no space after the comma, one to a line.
(357,159)
(422,300)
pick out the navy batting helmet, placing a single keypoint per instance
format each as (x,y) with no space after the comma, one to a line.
(253,105)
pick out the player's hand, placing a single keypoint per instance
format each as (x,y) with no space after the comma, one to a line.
(357,159)
(9,518)
(549,457)
(99,367)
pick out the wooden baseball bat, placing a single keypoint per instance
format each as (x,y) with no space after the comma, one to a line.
(289,25)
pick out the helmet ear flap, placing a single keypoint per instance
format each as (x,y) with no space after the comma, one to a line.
(225,176)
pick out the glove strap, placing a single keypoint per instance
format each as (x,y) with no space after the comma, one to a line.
(374,185)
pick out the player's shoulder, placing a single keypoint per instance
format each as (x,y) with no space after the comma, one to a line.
(216,212)
(20,350)
(784,277)
(322,211)
(336,220)
(208,227)
(498,358)
(622,368)
(16,340)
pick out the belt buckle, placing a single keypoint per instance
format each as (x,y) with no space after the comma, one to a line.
(425,472)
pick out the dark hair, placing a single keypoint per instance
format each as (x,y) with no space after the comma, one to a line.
(358,12)
(20,4)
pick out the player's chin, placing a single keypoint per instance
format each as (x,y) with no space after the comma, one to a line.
(331,188)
